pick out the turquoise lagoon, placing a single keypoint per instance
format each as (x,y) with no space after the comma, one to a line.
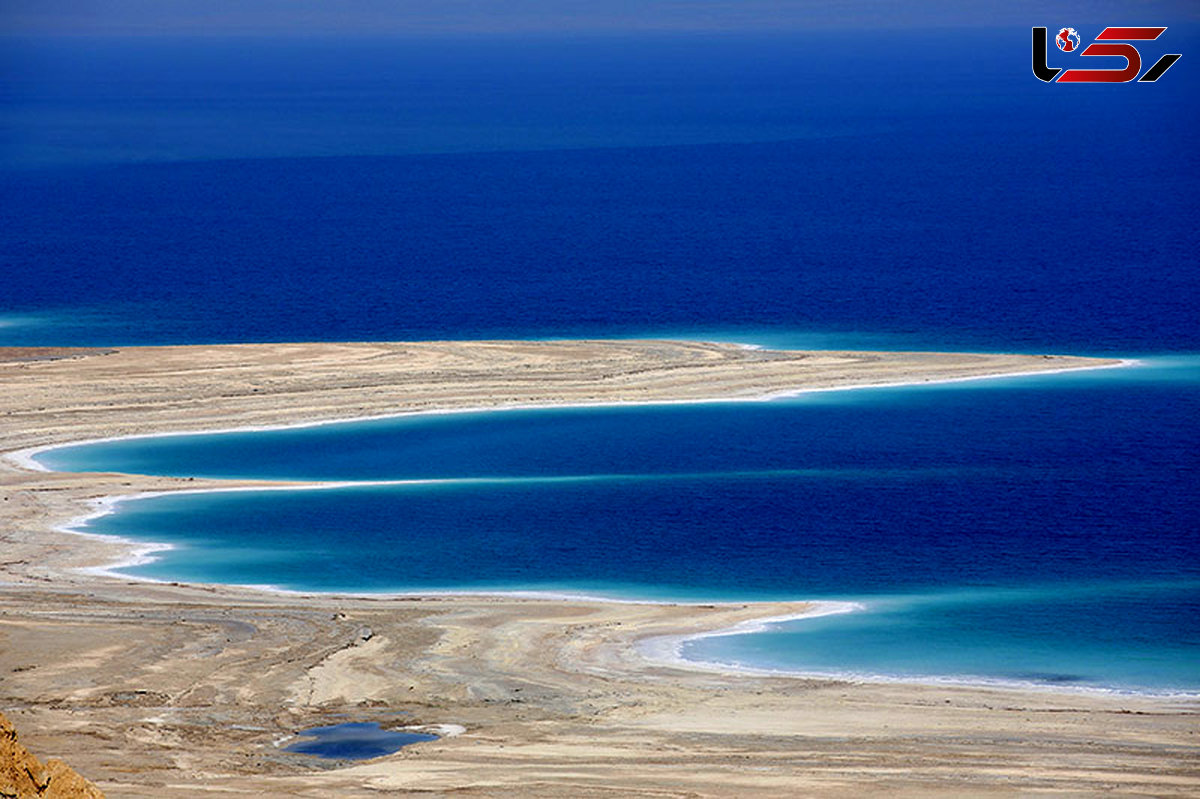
(1034,530)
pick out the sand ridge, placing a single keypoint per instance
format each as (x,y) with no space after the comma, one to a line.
(158,689)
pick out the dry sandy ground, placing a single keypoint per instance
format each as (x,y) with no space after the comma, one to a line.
(172,690)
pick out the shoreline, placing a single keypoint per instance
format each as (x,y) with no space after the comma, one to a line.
(656,649)
(155,687)
(665,649)
(25,458)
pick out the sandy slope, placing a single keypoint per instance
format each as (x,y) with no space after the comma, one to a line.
(159,690)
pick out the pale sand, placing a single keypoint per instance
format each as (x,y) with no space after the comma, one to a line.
(163,690)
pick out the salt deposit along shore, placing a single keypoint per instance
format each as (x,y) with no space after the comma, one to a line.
(156,690)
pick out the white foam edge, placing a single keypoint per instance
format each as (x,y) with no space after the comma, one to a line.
(668,649)
(1122,363)
(137,553)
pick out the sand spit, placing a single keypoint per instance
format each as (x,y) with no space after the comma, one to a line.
(158,690)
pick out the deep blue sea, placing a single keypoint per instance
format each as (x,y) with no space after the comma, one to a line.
(899,190)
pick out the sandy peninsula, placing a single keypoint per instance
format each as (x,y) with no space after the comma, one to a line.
(171,690)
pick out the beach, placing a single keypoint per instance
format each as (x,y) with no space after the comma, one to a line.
(152,689)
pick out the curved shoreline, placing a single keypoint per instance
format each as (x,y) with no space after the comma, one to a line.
(657,649)
(666,650)
(155,688)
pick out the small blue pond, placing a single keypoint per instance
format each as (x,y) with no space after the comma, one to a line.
(355,741)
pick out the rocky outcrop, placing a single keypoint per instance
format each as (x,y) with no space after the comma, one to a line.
(22,776)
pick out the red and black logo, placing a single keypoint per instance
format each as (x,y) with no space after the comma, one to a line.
(1068,42)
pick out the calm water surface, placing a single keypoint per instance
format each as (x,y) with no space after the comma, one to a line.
(877,190)
(1038,529)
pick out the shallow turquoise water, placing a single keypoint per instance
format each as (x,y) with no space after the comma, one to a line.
(1022,529)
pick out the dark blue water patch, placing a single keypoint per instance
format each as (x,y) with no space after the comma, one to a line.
(920,205)
(602,243)
(110,99)
(355,741)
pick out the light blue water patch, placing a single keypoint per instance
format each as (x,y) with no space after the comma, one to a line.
(16,323)
(1105,635)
